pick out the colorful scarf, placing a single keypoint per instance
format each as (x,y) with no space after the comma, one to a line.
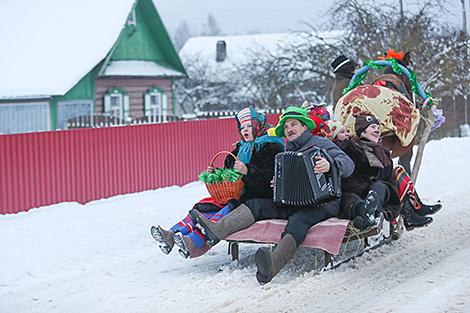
(246,149)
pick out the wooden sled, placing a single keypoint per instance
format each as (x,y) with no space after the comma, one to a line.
(327,236)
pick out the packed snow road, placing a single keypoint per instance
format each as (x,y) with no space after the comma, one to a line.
(100,257)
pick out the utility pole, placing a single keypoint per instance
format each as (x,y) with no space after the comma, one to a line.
(402,13)
(401,22)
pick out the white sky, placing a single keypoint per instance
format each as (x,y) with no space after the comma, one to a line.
(264,16)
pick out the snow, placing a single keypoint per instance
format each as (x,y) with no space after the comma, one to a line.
(139,68)
(48,46)
(100,257)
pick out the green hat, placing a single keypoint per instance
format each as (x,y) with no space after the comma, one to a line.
(297,113)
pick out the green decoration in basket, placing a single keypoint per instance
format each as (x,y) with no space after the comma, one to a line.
(219,175)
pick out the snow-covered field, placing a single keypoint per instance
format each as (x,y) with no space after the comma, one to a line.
(99,257)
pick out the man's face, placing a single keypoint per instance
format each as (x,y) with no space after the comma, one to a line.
(293,128)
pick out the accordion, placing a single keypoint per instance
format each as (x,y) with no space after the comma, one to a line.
(295,182)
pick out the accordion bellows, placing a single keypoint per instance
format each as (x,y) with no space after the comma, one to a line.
(295,182)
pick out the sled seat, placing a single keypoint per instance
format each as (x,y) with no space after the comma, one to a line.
(327,235)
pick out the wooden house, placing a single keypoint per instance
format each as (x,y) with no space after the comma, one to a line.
(62,59)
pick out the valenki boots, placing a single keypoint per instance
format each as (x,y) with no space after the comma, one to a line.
(186,246)
(191,245)
(270,263)
(163,237)
(240,218)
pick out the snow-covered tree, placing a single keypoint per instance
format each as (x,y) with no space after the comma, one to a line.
(300,69)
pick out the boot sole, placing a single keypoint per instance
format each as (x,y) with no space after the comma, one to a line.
(158,236)
(179,242)
(264,264)
(424,214)
(420,226)
(372,203)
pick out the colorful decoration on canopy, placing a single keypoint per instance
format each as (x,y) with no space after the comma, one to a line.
(397,68)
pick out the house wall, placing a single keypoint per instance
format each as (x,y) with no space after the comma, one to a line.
(135,88)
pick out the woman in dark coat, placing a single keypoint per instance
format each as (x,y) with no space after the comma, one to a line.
(255,152)
(373,185)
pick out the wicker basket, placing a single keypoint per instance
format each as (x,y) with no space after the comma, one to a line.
(224,191)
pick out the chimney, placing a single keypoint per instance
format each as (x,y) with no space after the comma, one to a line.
(221,51)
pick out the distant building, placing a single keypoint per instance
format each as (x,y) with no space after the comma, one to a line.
(221,54)
(62,59)
(223,69)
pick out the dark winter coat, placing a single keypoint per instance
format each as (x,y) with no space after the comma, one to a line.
(260,171)
(368,170)
(343,161)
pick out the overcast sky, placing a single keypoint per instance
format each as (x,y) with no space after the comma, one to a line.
(264,16)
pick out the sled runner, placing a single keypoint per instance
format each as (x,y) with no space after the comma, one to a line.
(327,236)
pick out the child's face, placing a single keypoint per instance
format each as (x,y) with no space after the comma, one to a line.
(246,131)
(343,134)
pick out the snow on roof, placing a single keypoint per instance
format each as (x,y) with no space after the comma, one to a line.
(242,48)
(47,46)
(139,68)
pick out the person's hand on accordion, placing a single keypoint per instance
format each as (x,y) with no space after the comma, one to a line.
(321,165)
(241,167)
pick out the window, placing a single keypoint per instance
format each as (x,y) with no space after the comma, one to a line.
(116,103)
(155,105)
(70,109)
(24,117)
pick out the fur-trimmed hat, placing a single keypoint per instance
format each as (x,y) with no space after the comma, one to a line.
(363,121)
(297,113)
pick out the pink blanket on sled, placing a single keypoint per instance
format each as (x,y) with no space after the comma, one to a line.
(326,235)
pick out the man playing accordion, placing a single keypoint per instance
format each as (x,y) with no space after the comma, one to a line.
(295,126)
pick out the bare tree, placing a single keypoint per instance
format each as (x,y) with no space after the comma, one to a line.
(211,27)
(182,34)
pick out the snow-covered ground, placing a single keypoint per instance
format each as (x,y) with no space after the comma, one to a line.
(99,257)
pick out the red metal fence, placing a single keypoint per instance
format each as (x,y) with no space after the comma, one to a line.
(81,165)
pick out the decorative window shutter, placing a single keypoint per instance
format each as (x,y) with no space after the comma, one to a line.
(126,105)
(107,103)
(147,105)
(164,106)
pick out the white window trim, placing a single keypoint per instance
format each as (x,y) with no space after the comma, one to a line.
(156,114)
(123,108)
